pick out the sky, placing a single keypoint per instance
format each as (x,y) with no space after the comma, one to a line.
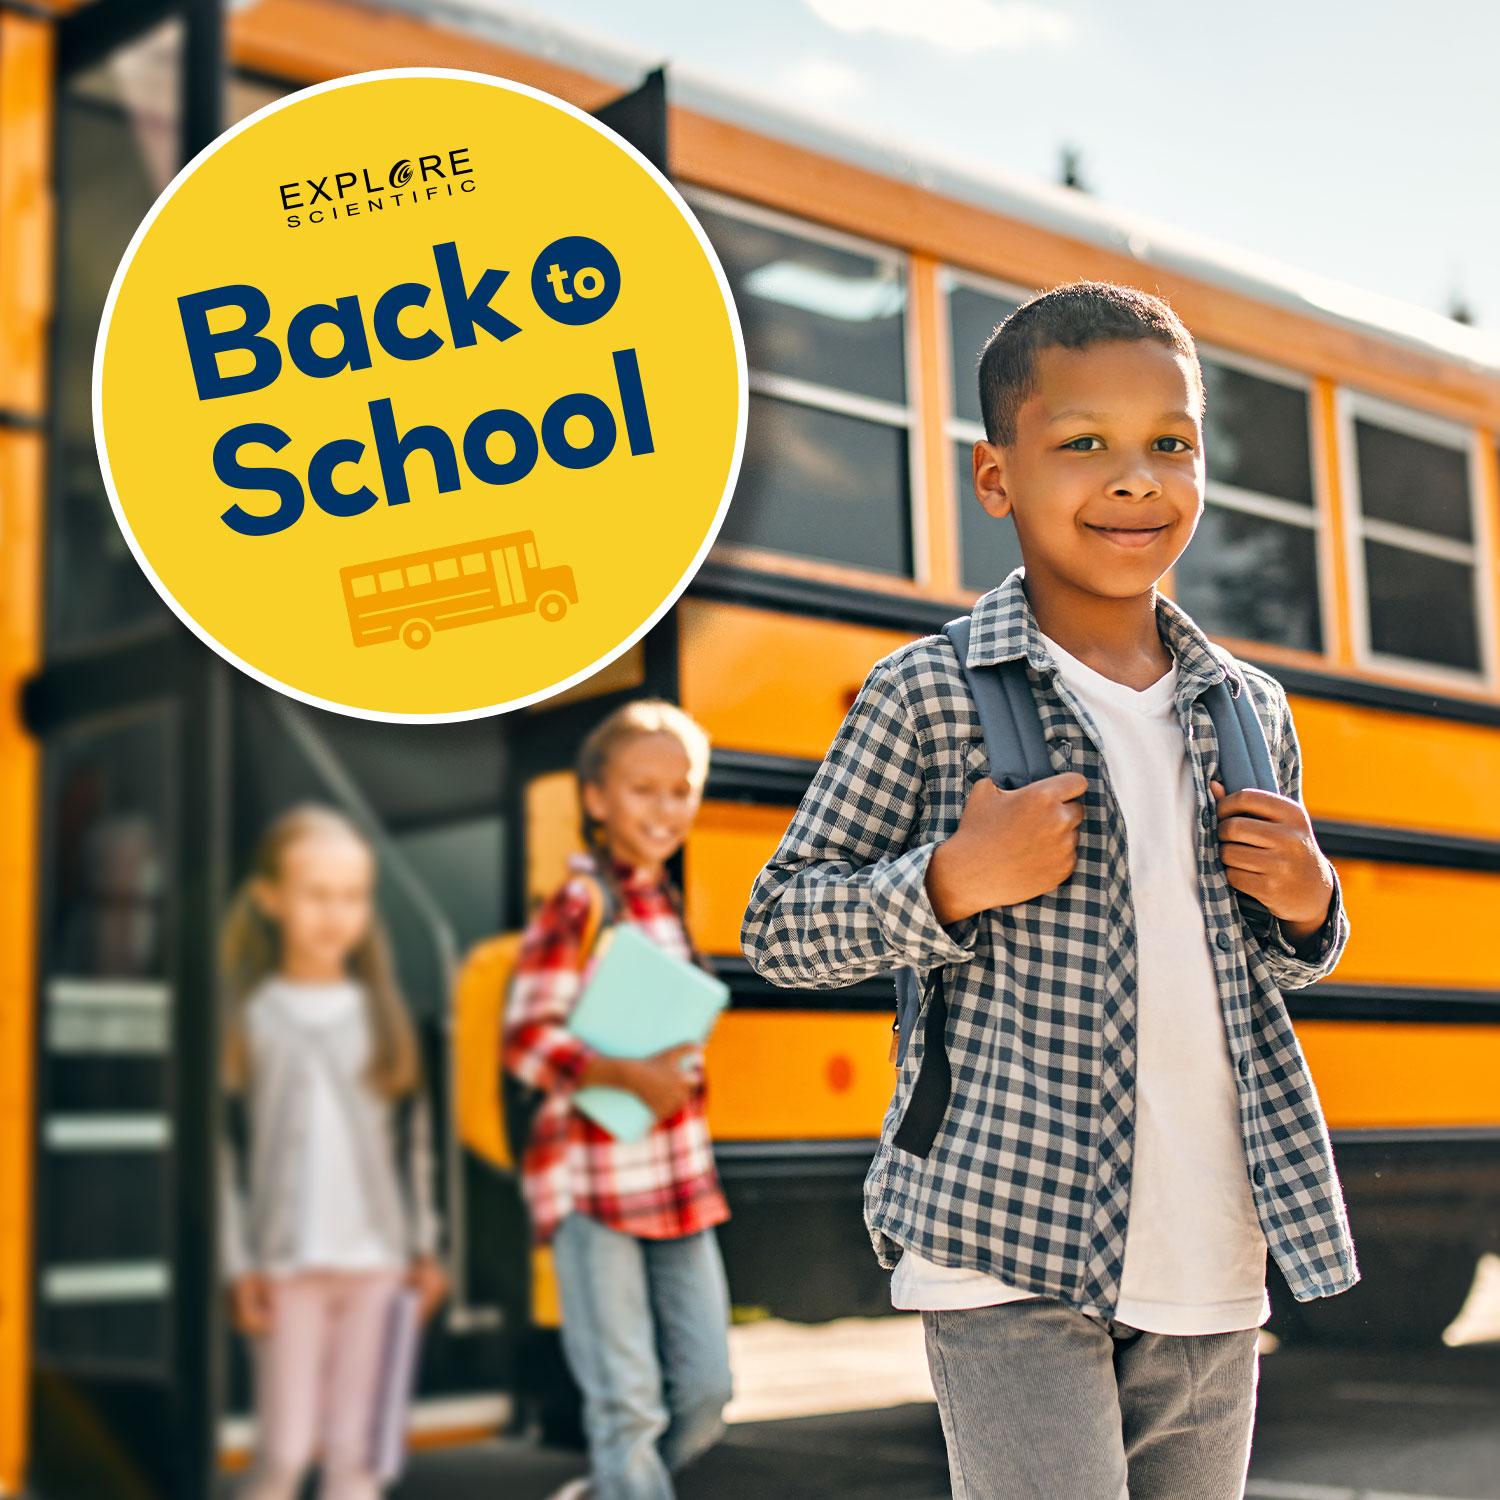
(1356,140)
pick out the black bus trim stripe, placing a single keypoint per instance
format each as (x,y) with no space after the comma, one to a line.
(1328,1001)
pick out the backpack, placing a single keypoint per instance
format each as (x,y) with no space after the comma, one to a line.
(1017,750)
(493,1111)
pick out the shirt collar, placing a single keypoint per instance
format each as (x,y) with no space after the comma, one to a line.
(1003,628)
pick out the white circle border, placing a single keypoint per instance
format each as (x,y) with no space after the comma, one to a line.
(460,715)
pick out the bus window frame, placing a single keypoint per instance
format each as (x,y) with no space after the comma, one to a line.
(907,417)
(957,429)
(1357,405)
(1317,517)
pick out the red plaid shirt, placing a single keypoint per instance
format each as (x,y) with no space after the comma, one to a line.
(662,1187)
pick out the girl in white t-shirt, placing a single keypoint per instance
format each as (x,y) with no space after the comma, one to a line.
(328,1173)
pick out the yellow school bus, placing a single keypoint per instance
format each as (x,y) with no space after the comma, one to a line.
(1349,546)
(406,598)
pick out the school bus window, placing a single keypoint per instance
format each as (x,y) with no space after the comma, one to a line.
(361,587)
(988,548)
(392,580)
(824,318)
(1256,432)
(820,484)
(1411,482)
(1247,576)
(1421,607)
(1417,561)
(421,573)
(975,310)
(474,563)
(814,307)
(445,568)
(1252,569)
(118,146)
(531,554)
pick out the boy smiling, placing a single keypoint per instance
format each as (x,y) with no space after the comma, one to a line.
(1129,1122)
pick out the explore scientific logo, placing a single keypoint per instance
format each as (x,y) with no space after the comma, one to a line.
(438,469)
(351,193)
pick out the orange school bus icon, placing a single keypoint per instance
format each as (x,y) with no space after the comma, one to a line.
(445,587)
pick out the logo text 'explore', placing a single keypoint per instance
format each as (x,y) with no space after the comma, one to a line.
(310,199)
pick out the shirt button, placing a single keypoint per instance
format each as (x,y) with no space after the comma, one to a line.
(1244,1064)
(1224,941)
(1260,1175)
(1208,817)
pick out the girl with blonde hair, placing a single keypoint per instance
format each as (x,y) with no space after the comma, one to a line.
(631,1224)
(327,1184)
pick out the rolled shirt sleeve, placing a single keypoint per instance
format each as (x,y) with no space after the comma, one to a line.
(1294,966)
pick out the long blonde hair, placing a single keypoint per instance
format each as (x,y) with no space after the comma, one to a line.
(632,721)
(250,950)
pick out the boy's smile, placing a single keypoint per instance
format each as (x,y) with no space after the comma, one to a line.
(1105,477)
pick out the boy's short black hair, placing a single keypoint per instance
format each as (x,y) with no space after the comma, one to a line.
(1072,317)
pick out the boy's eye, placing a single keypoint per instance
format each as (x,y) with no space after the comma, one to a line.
(1083,444)
(1181,445)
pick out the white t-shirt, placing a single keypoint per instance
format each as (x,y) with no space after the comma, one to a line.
(335,1231)
(1195,1255)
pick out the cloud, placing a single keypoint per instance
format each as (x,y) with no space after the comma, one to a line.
(952,25)
(822,81)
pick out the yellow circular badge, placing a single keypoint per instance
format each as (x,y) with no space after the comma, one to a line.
(420,395)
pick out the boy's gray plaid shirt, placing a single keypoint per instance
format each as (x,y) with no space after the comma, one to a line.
(1029,1178)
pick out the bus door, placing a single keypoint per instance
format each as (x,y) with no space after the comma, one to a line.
(510,577)
(129,710)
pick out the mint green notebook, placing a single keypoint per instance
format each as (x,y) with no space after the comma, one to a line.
(640,1000)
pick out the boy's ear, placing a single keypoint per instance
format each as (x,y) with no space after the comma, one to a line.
(989,478)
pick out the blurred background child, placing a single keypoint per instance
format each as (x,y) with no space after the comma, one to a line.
(321,1063)
(645,1306)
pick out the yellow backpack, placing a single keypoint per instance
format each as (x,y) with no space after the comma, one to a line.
(480,994)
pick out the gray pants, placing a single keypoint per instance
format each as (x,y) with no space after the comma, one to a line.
(1043,1403)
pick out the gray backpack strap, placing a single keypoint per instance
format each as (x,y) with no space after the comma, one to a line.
(1244,760)
(1008,715)
(1017,751)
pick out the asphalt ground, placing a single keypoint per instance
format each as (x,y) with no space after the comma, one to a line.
(1333,1424)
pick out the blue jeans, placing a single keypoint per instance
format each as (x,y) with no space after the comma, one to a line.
(645,1331)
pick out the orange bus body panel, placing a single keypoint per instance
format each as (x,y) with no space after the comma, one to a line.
(793,1075)
(26,213)
(775,683)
